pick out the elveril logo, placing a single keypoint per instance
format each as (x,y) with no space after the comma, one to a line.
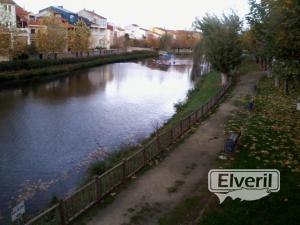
(244,184)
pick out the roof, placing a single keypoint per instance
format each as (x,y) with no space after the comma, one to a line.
(21,12)
(95,14)
(145,29)
(60,8)
(7,2)
(159,28)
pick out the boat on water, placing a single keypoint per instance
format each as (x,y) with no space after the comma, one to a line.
(167,56)
(164,62)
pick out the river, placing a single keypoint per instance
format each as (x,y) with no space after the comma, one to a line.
(51,131)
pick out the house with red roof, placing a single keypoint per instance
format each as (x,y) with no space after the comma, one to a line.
(22,17)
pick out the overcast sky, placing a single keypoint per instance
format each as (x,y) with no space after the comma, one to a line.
(146,13)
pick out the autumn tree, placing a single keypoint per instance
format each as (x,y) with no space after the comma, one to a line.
(153,42)
(166,41)
(79,38)
(185,40)
(127,41)
(221,43)
(275,29)
(53,38)
(5,41)
(20,47)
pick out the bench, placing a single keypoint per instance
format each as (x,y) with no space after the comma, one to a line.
(250,106)
(231,142)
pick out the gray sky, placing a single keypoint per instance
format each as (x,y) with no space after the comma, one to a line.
(164,13)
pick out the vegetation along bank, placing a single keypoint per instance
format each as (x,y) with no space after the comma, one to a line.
(15,72)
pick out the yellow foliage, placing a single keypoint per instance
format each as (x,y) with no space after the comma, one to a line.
(54,38)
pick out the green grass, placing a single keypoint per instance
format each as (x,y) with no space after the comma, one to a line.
(100,167)
(207,87)
(271,139)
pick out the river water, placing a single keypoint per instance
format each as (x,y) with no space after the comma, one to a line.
(51,131)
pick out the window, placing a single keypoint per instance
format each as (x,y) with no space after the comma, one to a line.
(5,7)
(72,19)
(9,8)
(32,31)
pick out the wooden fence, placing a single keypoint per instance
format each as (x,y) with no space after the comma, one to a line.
(92,193)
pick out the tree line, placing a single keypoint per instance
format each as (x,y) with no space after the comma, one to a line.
(183,40)
(271,36)
(52,36)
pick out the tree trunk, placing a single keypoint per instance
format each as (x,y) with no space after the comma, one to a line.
(269,73)
(224,78)
(276,82)
(286,86)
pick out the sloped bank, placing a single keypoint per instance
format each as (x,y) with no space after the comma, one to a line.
(40,70)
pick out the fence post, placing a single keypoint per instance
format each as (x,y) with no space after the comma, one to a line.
(157,141)
(145,156)
(98,189)
(124,170)
(181,127)
(172,135)
(190,121)
(202,111)
(62,213)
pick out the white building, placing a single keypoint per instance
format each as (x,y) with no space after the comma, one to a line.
(99,36)
(8,16)
(149,33)
(114,34)
(135,32)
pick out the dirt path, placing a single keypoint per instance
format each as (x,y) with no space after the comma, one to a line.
(165,185)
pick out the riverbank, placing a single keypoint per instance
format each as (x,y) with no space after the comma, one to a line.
(205,88)
(269,140)
(17,72)
(183,170)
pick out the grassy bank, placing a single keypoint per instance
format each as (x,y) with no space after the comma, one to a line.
(48,69)
(270,140)
(207,87)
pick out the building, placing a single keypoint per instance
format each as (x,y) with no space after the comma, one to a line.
(8,13)
(116,35)
(135,32)
(70,17)
(23,18)
(159,31)
(100,37)
(163,31)
(150,34)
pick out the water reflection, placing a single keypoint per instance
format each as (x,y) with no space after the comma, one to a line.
(49,132)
